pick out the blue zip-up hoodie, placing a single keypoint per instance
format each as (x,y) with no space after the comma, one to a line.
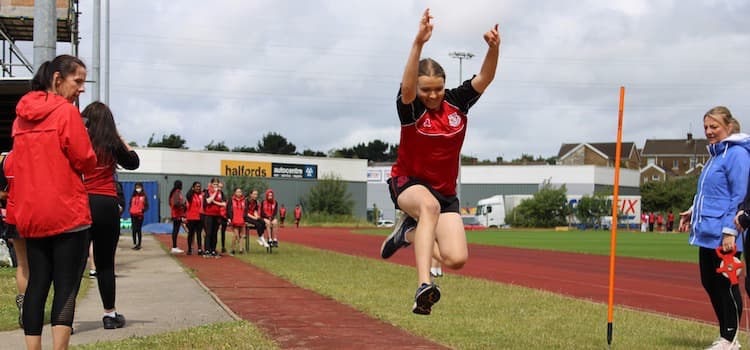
(722,186)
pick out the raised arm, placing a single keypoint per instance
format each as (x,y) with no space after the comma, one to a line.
(409,80)
(489,66)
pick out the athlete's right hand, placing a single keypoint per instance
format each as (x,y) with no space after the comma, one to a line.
(425,28)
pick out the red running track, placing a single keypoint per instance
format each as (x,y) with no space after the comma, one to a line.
(669,288)
(294,317)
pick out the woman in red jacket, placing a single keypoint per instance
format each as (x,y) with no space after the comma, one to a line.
(111,151)
(51,152)
(213,202)
(138,207)
(236,209)
(177,207)
(269,210)
(194,216)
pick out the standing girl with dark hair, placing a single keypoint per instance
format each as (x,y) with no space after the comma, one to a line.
(111,151)
(423,180)
(138,207)
(213,202)
(177,207)
(194,216)
(51,151)
(236,210)
(223,222)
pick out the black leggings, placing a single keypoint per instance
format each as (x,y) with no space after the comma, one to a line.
(105,233)
(260,226)
(212,229)
(725,298)
(223,226)
(57,260)
(195,227)
(137,229)
(176,223)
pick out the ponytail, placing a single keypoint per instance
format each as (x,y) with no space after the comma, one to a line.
(42,79)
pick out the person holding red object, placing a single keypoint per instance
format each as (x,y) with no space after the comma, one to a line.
(722,186)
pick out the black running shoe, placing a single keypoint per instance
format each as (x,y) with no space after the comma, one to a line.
(427,295)
(114,322)
(397,239)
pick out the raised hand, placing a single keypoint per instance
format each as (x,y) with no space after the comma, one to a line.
(492,37)
(425,28)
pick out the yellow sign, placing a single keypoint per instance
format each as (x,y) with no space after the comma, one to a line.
(241,168)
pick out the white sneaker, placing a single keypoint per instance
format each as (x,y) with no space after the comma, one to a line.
(177,251)
(262,242)
(722,344)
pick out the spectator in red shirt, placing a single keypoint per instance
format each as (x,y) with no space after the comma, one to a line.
(51,152)
(177,206)
(423,179)
(138,208)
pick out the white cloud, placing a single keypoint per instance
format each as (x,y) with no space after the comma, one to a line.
(324,74)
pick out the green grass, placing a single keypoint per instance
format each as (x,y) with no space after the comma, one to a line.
(8,291)
(225,335)
(474,313)
(659,246)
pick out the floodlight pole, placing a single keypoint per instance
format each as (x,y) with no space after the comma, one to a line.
(461,55)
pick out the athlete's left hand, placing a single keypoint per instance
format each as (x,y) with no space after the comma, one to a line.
(727,243)
(492,37)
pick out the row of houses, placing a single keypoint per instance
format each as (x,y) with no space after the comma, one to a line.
(658,160)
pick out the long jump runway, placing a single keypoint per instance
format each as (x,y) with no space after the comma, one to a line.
(669,288)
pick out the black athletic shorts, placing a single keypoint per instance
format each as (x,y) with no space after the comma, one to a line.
(397,184)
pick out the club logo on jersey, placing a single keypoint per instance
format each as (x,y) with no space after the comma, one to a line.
(454,120)
(427,123)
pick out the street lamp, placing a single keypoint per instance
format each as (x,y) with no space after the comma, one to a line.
(461,55)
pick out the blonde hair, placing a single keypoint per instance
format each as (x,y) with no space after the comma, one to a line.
(722,115)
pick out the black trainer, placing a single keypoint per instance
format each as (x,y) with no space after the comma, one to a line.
(427,295)
(114,322)
(397,239)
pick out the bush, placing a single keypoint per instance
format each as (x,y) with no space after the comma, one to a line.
(548,208)
(329,196)
(246,184)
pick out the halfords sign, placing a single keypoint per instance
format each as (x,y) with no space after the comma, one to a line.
(267,169)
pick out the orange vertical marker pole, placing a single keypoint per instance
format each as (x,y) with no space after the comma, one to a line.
(613,240)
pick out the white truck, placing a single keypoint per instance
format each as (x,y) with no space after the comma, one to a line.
(491,211)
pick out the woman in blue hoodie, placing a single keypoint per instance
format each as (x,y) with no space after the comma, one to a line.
(721,189)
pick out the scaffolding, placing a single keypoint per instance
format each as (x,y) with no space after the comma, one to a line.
(17,24)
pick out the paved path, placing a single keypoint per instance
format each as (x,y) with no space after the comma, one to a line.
(296,318)
(154,293)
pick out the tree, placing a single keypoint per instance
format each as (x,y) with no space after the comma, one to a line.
(171,141)
(311,153)
(547,208)
(675,194)
(275,144)
(133,144)
(373,151)
(591,209)
(220,146)
(329,196)
(246,149)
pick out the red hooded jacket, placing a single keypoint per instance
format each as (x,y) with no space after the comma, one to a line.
(269,208)
(51,151)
